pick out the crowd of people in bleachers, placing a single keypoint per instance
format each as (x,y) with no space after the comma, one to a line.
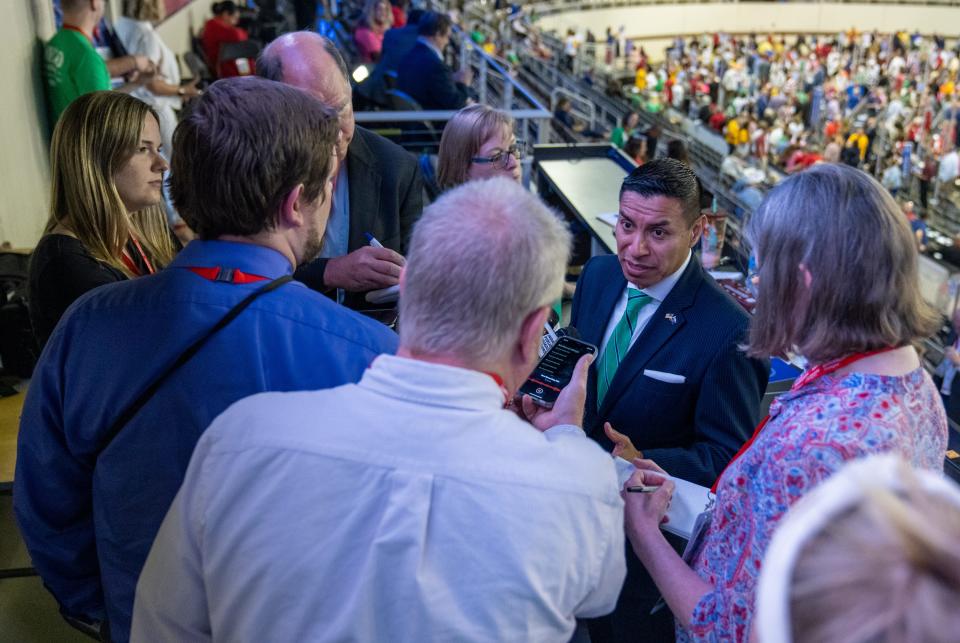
(222,442)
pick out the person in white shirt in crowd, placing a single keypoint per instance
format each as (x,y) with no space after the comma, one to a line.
(892,176)
(163,92)
(413,506)
(947,171)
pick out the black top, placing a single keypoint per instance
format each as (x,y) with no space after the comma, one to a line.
(61,270)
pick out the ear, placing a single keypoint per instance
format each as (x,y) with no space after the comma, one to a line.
(530,331)
(291,209)
(696,231)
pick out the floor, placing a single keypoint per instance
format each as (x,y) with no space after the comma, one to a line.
(28,614)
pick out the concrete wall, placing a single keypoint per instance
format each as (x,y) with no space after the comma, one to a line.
(794,17)
(24,167)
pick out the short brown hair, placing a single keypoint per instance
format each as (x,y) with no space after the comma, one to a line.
(847,231)
(245,145)
(669,178)
(463,137)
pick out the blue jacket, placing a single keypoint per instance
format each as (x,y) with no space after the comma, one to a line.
(429,81)
(89,518)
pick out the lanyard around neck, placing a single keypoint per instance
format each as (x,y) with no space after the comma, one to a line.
(806,378)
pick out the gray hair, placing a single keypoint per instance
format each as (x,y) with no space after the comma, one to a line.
(482,257)
(848,232)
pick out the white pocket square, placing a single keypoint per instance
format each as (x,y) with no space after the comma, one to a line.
(669,378)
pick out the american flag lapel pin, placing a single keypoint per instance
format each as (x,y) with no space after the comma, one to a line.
(670,317)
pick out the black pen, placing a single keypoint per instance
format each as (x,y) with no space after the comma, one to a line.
(643,489)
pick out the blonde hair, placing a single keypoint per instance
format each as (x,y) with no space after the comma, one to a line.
(94,138)
(463,137)
(846,230)
(153,231)
(149,10)
(885,570)
(369,14)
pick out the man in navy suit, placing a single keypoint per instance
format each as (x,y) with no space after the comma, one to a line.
(669,373)
(424,76)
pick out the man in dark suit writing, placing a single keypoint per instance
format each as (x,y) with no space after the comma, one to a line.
(669,375)
(377,190)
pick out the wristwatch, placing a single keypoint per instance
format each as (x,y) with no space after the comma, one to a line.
(181,91)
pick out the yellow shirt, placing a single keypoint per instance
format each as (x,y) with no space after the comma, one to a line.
(861,141)
(641,80)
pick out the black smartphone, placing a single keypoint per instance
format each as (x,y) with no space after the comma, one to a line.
(555,370)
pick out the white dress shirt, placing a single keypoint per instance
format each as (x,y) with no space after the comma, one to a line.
(658,292)
(408,507)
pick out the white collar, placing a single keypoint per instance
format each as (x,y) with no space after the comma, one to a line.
(662,288)
(432,384)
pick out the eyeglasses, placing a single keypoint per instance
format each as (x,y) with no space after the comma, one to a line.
(502,158)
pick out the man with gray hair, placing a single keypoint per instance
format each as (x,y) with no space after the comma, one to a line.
(378,190)
(412,506)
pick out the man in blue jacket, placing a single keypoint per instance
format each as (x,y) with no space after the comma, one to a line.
(423,74)
(251,174)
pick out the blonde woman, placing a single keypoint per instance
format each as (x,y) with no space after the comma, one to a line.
(163,92)
(107,164)
(377,18)
(870,555)
(478,143)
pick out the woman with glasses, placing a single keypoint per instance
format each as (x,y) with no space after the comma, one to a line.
(478,143)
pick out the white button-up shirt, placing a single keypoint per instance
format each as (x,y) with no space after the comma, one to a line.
(408,507)
(657,292)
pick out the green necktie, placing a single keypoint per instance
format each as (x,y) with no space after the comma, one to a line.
(619,342)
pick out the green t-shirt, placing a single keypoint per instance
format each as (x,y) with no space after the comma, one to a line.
(73,68)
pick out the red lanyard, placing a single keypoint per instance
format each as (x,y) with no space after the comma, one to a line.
(129,263)
(226,275)
(808,376)
(503,388)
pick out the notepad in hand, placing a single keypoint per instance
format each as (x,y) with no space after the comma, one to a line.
(387,295)
(689,501)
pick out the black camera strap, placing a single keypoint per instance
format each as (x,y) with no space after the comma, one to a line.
(185,357)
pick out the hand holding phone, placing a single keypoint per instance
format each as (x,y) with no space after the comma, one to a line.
(567,406)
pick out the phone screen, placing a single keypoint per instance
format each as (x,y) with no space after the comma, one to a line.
(555,370)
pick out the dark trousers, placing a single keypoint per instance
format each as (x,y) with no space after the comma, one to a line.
(631,621)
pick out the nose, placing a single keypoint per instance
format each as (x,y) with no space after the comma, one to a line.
(160,164)
(638,245)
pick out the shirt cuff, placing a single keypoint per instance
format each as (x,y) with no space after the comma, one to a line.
(624,470)
(560,430)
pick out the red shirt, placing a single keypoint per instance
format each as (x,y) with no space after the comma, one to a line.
(399,16)
(215,34)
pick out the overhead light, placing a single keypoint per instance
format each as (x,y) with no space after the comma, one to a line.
(360,74)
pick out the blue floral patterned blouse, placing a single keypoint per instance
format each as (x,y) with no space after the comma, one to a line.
(811,433)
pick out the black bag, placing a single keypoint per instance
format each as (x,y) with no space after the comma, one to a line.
(18,347)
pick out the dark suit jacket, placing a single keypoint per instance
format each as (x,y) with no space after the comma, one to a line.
(386,199)
(692,429)
(429,81)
